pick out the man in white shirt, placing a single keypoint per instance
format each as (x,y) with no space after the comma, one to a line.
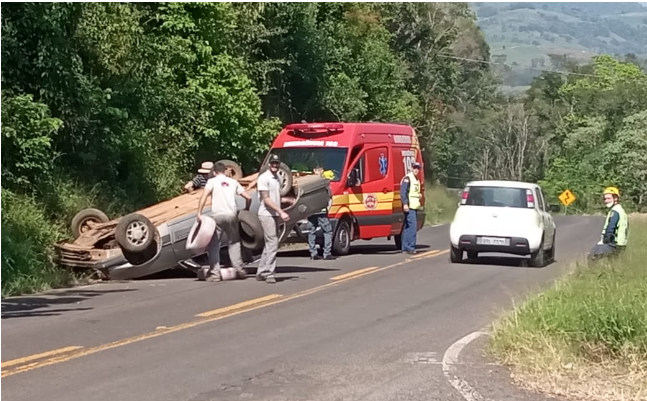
(223,191)
(270,215)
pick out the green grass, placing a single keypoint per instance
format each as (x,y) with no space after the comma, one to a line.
(440,204)
(586,335)
(27,239)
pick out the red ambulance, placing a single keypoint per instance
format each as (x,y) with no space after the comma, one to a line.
(369,161)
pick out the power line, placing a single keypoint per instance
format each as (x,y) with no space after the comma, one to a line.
(530,68)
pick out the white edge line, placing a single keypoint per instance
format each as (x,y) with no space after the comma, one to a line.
(450,359)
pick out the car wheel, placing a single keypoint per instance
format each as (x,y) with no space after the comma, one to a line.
(551,253)
(84,220)
(472,255)
(285,177)
(342,239)
(235,167)
(135,233)
(537,258)
(251,230)
(455,255)
(397,239)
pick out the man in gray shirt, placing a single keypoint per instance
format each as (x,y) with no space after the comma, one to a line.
(270,215)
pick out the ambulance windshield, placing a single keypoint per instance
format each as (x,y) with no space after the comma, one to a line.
(306,159)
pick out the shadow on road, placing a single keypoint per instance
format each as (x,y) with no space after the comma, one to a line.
(32,306)
(377,249)
(510,261)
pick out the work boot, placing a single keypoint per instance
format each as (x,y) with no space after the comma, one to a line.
(270,279)
(260,277)
(214,279)
(329,257)
(315,257)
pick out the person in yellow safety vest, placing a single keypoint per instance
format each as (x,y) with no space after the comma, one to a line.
(615,231)
(410,195)
(321,219)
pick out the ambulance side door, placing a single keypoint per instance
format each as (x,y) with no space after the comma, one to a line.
(401,157)
(372,195)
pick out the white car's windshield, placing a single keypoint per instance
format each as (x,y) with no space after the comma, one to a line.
(306,159)
(497,197)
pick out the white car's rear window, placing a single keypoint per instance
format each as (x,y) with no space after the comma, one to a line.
(496,196)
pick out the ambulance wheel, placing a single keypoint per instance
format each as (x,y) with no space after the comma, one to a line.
(342,239)
(398,241)
(234,167)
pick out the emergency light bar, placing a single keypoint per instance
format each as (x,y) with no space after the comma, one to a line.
(315,128)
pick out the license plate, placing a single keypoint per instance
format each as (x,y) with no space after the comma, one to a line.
(492,241)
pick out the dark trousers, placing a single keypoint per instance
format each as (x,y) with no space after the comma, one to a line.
(322,221)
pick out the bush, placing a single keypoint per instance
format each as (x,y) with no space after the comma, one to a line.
(27,239)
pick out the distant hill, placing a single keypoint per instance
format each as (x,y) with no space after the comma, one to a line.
(524,34)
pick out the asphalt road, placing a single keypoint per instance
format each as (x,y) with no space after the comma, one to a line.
(374,325)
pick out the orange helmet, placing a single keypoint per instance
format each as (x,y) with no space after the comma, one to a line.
(612,191)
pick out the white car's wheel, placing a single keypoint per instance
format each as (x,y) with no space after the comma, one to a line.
(538,258)
(455,255)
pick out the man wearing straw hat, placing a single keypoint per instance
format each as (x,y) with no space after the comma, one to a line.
(200,180)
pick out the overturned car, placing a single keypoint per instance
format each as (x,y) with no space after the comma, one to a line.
(154,239)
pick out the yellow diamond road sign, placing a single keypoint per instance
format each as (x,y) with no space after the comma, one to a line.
(567,197)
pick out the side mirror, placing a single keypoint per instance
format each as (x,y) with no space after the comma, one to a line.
(554,208)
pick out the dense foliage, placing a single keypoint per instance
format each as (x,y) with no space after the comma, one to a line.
(113,105)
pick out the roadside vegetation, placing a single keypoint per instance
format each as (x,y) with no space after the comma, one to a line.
(124,100)
(440,204)
(587,335)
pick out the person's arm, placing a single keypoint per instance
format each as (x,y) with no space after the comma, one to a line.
(404,194)
(188,186)
(203,200)
(609,236)
(241,192)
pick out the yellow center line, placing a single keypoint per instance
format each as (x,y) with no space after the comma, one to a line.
(30,358)
(210,316)
(424,254)
(353,273)
(241,305)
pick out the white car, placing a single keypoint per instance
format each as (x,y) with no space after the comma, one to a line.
(504,217)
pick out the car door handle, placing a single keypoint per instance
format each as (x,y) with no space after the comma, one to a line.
(385,191)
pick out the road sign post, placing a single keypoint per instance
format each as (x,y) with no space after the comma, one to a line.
(567,197)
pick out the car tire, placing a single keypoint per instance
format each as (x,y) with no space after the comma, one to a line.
(472,255)
(250,230)
(342,238)
(238,171)
(538,258)
(135,233)
(397,239)
(455,255)
(551,253)
(285,174)
(80,221)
